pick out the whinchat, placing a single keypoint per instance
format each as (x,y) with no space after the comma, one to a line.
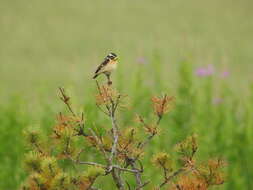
(107,66)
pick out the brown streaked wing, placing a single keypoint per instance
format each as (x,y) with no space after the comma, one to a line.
(104,63)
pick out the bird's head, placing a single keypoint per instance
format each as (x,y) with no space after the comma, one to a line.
(112,56)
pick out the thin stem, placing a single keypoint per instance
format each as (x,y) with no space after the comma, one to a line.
(105,167)
(143,144)
(159,120)
(143,185)
(100,145)
(115,137)
(102,110)
(111,108)
(168,179)
(117,179)
(92,164)
(117,102)
(94,188)
(137,177)
(125,169)
(66,99)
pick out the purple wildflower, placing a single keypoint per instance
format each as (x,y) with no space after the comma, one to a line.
(142,60)
(225,74)
(205,71)
(217,101)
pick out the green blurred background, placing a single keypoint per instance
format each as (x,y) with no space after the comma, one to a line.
(163,45)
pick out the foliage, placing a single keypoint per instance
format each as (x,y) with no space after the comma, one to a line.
(121,149)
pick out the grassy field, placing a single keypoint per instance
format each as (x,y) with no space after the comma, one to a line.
(198,51)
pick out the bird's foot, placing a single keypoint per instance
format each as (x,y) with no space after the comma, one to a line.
(109,82)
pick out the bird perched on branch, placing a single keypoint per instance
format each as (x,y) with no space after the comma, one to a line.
(107,66)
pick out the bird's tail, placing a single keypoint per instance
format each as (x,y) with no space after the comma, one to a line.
(95,76)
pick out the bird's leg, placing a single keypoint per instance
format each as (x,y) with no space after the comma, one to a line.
(108,75)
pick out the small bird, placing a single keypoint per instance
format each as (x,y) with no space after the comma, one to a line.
(107,66)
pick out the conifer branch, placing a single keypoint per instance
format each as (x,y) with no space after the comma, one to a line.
(66,100)
(121,151)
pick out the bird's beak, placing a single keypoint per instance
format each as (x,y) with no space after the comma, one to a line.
(116,58)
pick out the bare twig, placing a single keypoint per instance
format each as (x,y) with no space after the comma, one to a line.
(117,179)
(79,154)
(128,186)
(116,174)
(80,130)
(178,187)
(92,164)
(137,177)
(168,179)
(94,188)
(101,109)
(115,137)
(144,143)
(143,185)
(66,99)
(117,102)
(100,145)
(111,108)
(105,167)
(127,170)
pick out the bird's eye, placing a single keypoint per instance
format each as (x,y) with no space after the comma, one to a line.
(112,56)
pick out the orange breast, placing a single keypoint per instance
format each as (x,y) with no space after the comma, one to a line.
(113,62)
